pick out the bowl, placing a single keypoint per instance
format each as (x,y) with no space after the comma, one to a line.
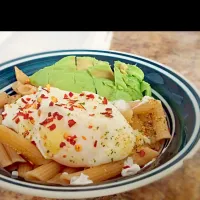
(179,97)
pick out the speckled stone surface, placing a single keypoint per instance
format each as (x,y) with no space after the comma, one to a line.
(180,51)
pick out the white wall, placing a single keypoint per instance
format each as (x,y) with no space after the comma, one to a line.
(16,44)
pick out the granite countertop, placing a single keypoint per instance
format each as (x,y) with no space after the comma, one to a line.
(181,51)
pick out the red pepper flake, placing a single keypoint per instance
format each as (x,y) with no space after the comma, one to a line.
(91,115)
(34,92)
(56,114)
(109,110)
(90,96)
(31,120)
(39,113)
(72,101)
(71,108)
(4,115)
(47,121)
(71,123)
(125,167)
(62,144)
(95,107)
(107,114)
(17,120)
(52,127)
(64,156)
(105,101)
(25,102)
(71,94)
(45,90)
(51,103)
(26,116)
(95,143)
(49,114)
(26,133)
(33,142)
(65,96)
(84,138)
(43,96)
(30,112)
(38,105)
(142,153)
(61,104)
(82,94)
(72,139)
(28,99)
(79,106)
(90,126)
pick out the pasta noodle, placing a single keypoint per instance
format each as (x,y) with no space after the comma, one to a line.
(13,98)
(160,123)
(3,99)
(44,172)
(23,89)
(144,107)
(13,155)
(20,76)
(24,168)
(21,145)
(143,155)
(12,167)
(98,173)
(5,159)
(56,179)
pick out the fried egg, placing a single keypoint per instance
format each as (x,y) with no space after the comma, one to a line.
(76,130)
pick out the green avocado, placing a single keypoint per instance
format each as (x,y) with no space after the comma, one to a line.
(85,73)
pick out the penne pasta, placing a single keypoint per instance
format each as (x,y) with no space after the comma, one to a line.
(21,145)
(3,99)
(23,168)
(144,107)
(20,76)
(136,123)
(144,155)
(13,98)
(160,123)
(56,179)
(12,167)
(5,159)
(134,103)
(21,89)
(44,172)
(71,170)
(13,155)
(98,173)
(127,115)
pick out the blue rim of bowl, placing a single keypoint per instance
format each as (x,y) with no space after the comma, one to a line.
(130,183)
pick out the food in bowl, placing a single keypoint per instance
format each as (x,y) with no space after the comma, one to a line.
(77,122)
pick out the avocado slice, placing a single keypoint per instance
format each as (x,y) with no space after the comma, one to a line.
(84,62)
(102,70)
(119,80)
(84,81)
(104,87)
(68,64)
(57,76)
(41,77)
(146,88)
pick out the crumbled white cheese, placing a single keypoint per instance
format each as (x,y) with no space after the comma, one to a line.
(14,174)
(80,180)
(130,168)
